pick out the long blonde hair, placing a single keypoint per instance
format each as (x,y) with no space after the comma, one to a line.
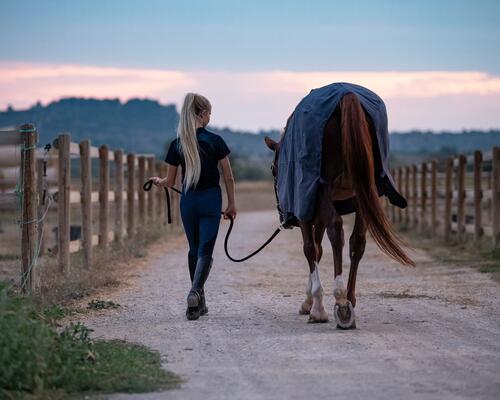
(194,104)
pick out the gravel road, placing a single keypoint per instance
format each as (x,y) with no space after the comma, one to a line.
(430,332)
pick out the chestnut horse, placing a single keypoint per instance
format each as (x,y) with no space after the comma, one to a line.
(348,170)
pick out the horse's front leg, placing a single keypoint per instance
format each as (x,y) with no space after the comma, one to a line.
(313,305)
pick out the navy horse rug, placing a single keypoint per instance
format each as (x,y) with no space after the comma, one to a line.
(299,162)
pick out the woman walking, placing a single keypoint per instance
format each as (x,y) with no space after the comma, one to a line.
(199,152)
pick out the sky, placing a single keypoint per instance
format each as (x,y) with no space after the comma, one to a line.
(436,63)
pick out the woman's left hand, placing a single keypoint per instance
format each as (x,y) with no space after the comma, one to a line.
(157,181)
(230,212)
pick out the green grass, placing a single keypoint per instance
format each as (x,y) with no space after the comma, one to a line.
(37,361)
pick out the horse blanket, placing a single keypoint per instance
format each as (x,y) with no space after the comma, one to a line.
(299,160)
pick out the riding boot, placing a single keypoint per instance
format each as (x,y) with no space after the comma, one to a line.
(194,298)
(192,268)
(203,304)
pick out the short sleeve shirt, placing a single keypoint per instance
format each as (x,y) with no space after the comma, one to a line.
(212,149)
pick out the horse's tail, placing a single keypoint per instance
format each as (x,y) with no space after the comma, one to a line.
(358,157)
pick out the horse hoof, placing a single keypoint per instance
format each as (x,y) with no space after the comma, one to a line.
(344,316)
(305,308)
(353,326)
(313,320)
(318,318)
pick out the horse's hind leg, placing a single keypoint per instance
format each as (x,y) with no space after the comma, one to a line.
(357,243)
(344,312)
(314,301)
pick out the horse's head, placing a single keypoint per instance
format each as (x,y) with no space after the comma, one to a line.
(274,146)
(288,221)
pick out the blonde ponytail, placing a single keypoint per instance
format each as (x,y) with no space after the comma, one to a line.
(194,105)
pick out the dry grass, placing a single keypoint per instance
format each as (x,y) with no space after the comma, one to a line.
(478,254)
(111,268)
(255,196)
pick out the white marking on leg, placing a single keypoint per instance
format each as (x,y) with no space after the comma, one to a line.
(339,290)
(309,287)
(305,307)
(318,313)
(316,288)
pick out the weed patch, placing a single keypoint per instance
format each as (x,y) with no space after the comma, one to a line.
(36,360)
(101,305)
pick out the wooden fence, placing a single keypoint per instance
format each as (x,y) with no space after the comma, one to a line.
(452,199)
(124,209)
(25,196)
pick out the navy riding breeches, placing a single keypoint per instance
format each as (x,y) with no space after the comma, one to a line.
(201,213)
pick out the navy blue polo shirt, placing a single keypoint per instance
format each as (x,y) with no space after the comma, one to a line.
(212,149)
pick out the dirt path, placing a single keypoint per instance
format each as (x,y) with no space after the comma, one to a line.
(432,332)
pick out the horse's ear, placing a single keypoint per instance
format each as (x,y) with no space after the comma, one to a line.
(271,143)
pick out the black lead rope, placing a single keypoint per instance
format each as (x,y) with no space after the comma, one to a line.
(147,187)
(149,184)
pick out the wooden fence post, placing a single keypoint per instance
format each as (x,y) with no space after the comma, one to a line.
(118,196)
(103,195)
(423,197)
(130,195)
(448,198)
(462,162)
(41,206)
(414,216)
(160,209)
(393,208)
(63,205)
(434,197)
(29,209)
(489,184)
(141,194)
(407,195)
(151,193)
(86,202)
(400,189)
(478,195)
(495,195)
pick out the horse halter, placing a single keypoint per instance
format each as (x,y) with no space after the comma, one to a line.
(275,187)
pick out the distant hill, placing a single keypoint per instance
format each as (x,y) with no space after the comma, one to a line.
(141,126)
(146,126)
(444,142)
(137,125)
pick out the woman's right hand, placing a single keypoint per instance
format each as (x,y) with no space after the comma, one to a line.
(230,212)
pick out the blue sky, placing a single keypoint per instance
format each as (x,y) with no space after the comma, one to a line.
(227,40)
(256,35)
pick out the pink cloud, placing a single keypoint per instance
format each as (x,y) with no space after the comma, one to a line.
(253,100)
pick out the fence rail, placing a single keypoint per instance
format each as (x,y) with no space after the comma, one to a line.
(459,197)
(114,190)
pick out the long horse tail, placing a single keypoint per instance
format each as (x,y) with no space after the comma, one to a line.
(357,151)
